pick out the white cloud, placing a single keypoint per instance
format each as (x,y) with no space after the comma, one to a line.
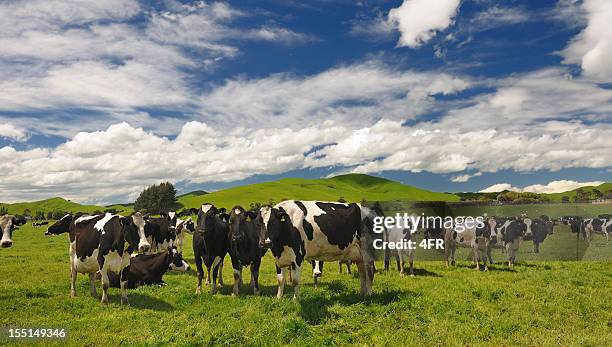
(8,130)
(496,16)
(499,187)
(592,47)
(464,178)
(552,187)
(419,20)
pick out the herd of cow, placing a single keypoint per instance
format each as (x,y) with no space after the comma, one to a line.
(128,251)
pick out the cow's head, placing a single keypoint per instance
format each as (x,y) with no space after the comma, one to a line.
(206,217)
(135,225)
(492,224)
(177,263)
(270,222)
(7,225)
(61,226)
(238,218)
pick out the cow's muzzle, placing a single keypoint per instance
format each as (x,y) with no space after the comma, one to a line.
(6,243)
(267,243)
(145,247)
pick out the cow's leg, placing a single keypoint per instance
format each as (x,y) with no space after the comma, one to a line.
(400,261)
(340,266)
(207,281)
(237,281)
(92,284)
(198,263)
(316,272)
(215,271)
(446,253)
(255,276)
(73,277)
(536,247)
(348,267)
(105,285)
(295,276)
(363,278)
(476,260)
(452,250)
(221,274)
(123,281)
(179,242)
(280,277)
(411,259)
(489,254)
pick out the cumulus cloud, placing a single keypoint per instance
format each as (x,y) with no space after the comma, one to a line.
(592,47)
(419,20)
(9,131)
(552,187)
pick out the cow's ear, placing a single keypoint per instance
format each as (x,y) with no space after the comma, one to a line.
(221,210)
(125,220)
(164,214)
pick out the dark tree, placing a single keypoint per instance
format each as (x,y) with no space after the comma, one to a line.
(157,199)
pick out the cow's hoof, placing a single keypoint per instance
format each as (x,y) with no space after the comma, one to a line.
(125,301)
(104,301)
(72,293)
(198,290)
(411,275)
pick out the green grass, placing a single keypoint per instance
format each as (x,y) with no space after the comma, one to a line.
(352,187)
(538,303)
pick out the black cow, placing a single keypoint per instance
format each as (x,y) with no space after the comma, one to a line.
(540,228)
(8,223)
(39,224)
(210,245)
(148,269)
(244,246)
(510,231)
(314,230)
(98,243)
(575,224)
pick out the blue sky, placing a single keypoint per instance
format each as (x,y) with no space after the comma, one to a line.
(99,99)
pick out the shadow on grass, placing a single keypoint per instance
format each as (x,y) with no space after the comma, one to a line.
(141,301)
(314,309)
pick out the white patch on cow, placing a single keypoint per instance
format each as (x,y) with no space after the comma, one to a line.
(171,214)
(183,268)
(114,262)
(527,222)
(84,218)
(287,257)
(102,222)
(266,212)
(206,207)
(87,265)
(6,223)
(237,211)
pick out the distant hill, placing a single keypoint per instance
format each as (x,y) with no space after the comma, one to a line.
(194,193)
(351,187)
(604,187)
(56,204)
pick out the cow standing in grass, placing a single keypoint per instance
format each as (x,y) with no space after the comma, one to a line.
(7,225)
(102,243)
(596,226)
(181,228)
(298,231)
(475,237)
(245,249)
(509,232)
(210,245)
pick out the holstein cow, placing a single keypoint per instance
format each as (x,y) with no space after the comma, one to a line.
(148,269)
(98,243)
(575,224)
(469,235)
(182,227)
(7,225)
(298,231)
(510,232)
(39,224)
(540,228)
(160,234)
(596,226)
(245,249)
(210,245)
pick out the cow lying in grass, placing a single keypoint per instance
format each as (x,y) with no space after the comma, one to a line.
(148,269)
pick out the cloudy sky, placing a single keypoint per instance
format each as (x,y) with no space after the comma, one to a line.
(101,98)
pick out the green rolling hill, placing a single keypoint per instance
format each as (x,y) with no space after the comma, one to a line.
(56,204)
(351,187)
(604,187)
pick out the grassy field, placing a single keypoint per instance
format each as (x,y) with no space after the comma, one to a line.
(536,303)
(57,204)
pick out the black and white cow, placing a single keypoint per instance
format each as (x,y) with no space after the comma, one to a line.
(592,226)
(245,249)
(39,224)
(8,223)
(148,269)
(183,226)
(298,231)
(540,228)
(469,235)
(160,234)
(508,233)
(210,245)
(102,243)
(575,224)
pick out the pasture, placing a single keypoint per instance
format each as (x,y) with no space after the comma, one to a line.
(535,303)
